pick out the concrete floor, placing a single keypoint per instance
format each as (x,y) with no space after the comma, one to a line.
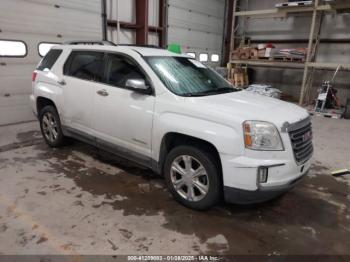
(79,200)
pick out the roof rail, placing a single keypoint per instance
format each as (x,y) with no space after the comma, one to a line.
(89,42)
(147,46)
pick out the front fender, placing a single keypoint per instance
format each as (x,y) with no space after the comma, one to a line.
(225,138)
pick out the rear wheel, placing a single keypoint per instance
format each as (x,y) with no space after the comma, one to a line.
(51,127)
(193,177)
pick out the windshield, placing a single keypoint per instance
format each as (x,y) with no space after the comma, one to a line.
(188,77)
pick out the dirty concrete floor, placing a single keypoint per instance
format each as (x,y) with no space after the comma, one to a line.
(80,200)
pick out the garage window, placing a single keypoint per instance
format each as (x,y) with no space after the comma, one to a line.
(191,54)
(203,57)
(13,48)
(215,58)
(44,48)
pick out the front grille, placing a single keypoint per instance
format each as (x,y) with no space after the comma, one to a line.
(301,138)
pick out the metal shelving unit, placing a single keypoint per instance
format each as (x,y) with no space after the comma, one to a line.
(310,64)
(278,12)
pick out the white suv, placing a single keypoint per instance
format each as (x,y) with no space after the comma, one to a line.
(176,116)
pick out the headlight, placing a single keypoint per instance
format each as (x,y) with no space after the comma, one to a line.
(260,135)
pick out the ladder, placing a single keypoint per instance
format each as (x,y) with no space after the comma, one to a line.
(314,40)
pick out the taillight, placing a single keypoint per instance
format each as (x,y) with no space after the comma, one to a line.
(34,76)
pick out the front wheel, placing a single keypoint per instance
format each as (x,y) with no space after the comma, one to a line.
(193,177)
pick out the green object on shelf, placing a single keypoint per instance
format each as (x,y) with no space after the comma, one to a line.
(175,48)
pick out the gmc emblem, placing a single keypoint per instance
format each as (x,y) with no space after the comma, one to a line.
(307,136)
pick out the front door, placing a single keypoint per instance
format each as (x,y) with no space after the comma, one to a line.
(122,117)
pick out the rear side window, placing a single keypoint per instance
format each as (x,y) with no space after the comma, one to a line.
(120,69)
(44,48)
(50,59)
(12,48)
(85,65)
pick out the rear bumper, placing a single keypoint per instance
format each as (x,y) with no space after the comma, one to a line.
(33,105)
(262,194)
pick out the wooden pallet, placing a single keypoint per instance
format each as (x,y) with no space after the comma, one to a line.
(238,76)
(262,58)
(280,59)
(294,4)
(240,80)
(289,59)
(334,115)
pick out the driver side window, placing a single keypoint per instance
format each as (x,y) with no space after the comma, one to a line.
(120,69)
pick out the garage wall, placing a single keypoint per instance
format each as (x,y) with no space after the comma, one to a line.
(127,13)
(35,21)
(335,26)
(197,25)
(122,10)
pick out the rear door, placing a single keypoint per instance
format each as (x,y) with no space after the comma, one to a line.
(122,117)
(83,72)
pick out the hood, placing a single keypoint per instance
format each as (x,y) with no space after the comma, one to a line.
(244,105)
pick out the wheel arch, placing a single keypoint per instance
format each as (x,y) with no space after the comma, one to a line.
(41,102)
(174,139)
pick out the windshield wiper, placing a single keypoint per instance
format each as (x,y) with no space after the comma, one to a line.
(221,90)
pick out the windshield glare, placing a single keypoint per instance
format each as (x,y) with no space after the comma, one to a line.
(188,77)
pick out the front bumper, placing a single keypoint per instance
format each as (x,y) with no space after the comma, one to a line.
(262,194)
(241,178)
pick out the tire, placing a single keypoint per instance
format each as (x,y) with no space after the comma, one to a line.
(51,128)
(206,179)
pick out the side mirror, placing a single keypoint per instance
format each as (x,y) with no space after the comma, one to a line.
(138,85)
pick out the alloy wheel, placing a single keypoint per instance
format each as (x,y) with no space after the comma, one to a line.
(50,127)
(189,178)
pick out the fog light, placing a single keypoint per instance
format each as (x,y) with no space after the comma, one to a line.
(263,173)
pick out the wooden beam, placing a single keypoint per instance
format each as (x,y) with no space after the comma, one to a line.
(295,65)
(329,66)
(333,7)
(257,12)
(268,63)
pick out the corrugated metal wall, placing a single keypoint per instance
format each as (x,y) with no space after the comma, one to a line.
(35,21)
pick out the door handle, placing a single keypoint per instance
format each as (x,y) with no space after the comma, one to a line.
(102,92)
(61,82)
